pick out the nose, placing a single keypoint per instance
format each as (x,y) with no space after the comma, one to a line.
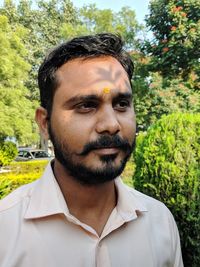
(107,122)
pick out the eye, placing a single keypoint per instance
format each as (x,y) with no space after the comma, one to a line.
(85,107)
(122,105)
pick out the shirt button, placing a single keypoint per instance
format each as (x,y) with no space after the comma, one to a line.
(99,244)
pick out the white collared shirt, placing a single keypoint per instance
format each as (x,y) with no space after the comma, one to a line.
(37,230)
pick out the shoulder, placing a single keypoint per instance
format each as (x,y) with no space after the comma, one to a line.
(160,224)
(16,197)
(157,215)
(153,206)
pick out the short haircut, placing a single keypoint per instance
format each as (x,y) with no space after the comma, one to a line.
(90,46)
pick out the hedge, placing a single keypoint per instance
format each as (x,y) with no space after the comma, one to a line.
(167,161)
(20,173)
(9,182)
(37,166)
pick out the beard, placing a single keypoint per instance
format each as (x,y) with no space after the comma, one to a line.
(88,175)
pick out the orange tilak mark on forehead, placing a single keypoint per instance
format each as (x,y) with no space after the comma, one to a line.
(106,90)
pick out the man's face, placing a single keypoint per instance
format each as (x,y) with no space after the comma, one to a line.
(92,124)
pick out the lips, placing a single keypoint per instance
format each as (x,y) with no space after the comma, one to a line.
(107,150)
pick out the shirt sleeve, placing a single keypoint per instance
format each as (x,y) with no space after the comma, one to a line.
(176,247)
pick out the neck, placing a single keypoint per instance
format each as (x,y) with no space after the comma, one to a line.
(91,204)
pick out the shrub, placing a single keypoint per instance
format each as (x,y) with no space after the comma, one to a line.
(8,151)
(20,173)
(168,168)
(36,166)
(10,182)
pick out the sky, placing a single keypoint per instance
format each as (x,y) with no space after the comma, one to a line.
(140,6)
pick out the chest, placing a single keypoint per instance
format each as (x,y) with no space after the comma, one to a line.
(62,244)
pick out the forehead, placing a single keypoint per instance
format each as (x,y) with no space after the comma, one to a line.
(82,76)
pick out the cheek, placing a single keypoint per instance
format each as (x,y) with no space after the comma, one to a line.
(129,127)
(75,132)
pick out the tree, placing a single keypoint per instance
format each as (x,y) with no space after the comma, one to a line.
(155,96)
(94,20)
(16,111)
(43,24)
(175,48)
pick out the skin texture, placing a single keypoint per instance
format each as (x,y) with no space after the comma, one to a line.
(82,112)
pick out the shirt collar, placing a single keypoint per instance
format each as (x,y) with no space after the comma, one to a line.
(129,205)
(47,199)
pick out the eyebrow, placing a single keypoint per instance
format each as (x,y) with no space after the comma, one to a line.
(126,95)
(92,97)
(80,98)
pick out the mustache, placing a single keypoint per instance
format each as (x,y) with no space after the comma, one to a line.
(106,141)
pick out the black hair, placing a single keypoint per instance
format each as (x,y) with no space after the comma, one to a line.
(90,46)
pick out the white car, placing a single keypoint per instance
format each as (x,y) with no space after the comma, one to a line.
(25,154)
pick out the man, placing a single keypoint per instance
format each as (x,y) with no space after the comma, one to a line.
(80,213)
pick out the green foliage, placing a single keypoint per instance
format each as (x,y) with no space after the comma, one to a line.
(155,96)
(16,111)
(36,166)
(8,151)
(175,48)
(93,20)
(20,173)
(128,173)
(167,161)
(10,182)
(43,24)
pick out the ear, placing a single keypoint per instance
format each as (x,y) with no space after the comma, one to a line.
(41,117)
